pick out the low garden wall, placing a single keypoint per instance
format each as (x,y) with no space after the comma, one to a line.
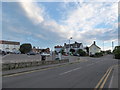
(9,66)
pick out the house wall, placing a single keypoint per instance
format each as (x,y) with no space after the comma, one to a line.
(9,47)
(81,47)
(67,49)
(93,49)
(58,49)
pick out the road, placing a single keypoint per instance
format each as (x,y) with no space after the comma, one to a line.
(86,74)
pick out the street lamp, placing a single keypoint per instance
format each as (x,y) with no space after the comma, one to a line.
(69,47)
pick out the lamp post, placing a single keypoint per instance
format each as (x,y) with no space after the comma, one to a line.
(112,45)
(69,47)
(103,45)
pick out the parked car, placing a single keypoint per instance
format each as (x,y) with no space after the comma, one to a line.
(4,53)
(45,54)
(31,53)
(76,55)
(65,54)
(56,58)
(17,52)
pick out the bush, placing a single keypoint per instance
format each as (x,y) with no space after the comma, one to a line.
(98,54)
(62,51)
(92,55)
(116,52)
(72,51)
(25,48)
(81,52)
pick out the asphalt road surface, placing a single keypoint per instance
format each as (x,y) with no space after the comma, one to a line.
(86,74)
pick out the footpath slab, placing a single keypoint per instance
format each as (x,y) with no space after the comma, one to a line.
(114,79)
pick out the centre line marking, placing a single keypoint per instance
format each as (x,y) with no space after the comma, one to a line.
(102,79)
(106,79)
(70,71)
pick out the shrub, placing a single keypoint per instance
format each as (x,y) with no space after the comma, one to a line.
(116,52)
(62,51)
(81,52)
(98,54)
(25,48)
(72,51)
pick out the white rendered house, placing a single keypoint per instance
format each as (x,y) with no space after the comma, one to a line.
(94,49)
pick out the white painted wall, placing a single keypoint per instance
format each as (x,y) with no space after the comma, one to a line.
(67,49)
(93,49)
(58,49)
(81,47)
(9,47)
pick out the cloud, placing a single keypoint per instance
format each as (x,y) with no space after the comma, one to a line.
(40,18)
(23,30)
(33,12)
(79,21)
(84,19)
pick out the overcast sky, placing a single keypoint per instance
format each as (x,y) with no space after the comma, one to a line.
(46,24)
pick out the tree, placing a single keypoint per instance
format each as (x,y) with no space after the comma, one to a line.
(62,51)
(25,48)
(81,52)
(116,52)
(87,49)
(55,52)
(72,50)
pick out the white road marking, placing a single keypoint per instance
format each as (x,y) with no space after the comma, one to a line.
(70,71)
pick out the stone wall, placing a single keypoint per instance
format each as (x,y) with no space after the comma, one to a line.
(10,66)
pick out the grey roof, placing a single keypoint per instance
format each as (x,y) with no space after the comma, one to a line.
(74,45)
(95,45)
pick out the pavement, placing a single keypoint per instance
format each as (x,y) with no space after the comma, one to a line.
(88,73)
(114,78)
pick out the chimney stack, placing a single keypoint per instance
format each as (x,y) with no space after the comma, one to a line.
(94,43)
